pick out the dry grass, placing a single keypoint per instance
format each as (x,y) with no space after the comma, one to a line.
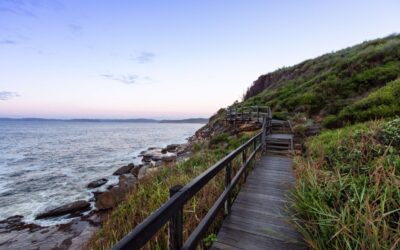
(153,191)
(348,190)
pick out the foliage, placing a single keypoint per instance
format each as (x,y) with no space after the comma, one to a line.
(348,188)
(219,139)
(384,102)
(210,239)
(153,191)
(391,133)
(327,85)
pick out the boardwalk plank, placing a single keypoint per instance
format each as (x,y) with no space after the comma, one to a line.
(260,217)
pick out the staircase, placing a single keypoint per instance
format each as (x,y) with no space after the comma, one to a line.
(280,140)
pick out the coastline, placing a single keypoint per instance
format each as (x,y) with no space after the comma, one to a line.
(82,224)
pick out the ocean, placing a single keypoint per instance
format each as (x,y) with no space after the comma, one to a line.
(49,163)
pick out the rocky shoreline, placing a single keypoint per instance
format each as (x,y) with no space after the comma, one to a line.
(87,216)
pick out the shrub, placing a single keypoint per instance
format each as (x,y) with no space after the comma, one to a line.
(348,189)
(391,133)
(330,121)
(381,103)
(219,139)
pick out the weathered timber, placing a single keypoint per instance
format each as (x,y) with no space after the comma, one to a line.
(260,216)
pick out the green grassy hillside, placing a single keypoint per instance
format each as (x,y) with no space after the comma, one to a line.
(347,194)
(324,87)
(348,187)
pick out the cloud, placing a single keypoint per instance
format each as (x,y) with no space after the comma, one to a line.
(75,29)
(8,41)
(7,95)
(145,57)
(28,7)
(127,79)
(18,7)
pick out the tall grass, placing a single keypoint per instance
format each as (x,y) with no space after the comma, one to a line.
(153,191)
(348,188)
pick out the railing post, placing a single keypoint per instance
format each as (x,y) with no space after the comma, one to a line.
(244,158)
(175,230)
(258,114)
(228,176)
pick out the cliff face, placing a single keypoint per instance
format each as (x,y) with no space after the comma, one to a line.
(323,88)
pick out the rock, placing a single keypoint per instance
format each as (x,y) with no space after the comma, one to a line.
(106,201)
(169,158)
(96,194)
(116,194)
(127,181)
(142,172)
(135,170)
(164,151)
(97,183)
(249,127)
(119,193)
(153,148)
(12,223)
(172,147)
(156,157)
(77,206)
(124,169)
(151,170)
(146,158)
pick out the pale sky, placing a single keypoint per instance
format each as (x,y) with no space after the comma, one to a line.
(164,59)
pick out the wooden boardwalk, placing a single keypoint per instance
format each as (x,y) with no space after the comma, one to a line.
(259,216)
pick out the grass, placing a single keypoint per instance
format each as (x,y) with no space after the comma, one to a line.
(327,85)
(348,188)
(382,103)
(153,191)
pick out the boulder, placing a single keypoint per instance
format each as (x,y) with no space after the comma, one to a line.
(169,158)
(147,158)
(124,169)
(106,201)
(156,157)
(127,181)
(135,170)
(153,148)
(164,151)
(77,206)
(116,194)
(142,172)
(97,183)
(172,147)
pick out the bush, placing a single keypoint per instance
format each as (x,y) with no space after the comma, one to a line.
(391,133)
(330,121)
(219,139)
(381,103)
(347,194)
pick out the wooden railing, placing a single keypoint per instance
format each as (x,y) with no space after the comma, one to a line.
(172,210)
(247,113)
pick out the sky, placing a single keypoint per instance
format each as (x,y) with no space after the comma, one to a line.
(164,59)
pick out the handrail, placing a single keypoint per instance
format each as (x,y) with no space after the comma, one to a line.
(247,113)
(142,233)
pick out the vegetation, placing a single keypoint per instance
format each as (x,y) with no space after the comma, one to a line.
(325,86)
(384,102)
(347,194)
(348,188)
(153,191)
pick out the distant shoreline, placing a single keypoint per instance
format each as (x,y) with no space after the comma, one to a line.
(137,120)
